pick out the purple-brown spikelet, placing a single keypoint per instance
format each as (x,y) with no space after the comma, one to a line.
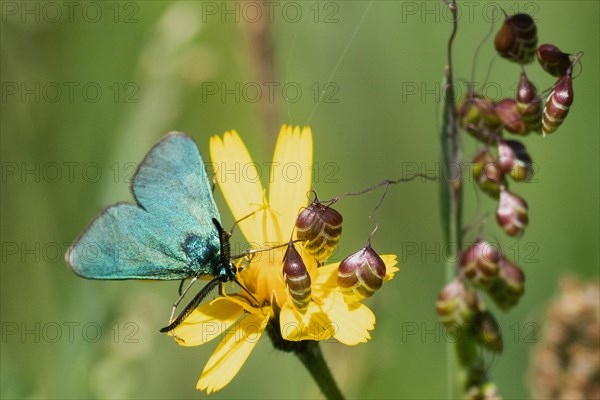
(478,117)
(510,285)
(517,39)
(511,119)
(488,332)
(558,103)
(320,226)
(297,279)
(487,173)
(514,160)
(361,274)
(529,104)
(553,60)
(457,306)
(512,213)
(479,264)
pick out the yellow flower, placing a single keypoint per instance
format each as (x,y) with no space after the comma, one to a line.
(236,318)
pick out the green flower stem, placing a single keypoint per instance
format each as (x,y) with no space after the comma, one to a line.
(312,357)
(309,352)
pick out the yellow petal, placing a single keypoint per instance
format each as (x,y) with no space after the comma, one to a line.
(267,223)
(326,277)
(239,181)
(231,353)
(348,323)
(208,321)
(390,260)
(352,322)
(389,275)
(290,176)
(314,324)
(243,301)
(264,278)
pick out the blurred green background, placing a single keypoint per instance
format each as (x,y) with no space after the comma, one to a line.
(128,72)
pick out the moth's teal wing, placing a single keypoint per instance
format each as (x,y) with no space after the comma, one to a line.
(172,182)
(127,242)
(168,235)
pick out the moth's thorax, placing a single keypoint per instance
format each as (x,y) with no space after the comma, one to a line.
(203,254)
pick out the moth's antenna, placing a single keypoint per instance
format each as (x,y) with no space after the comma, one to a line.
(181,295)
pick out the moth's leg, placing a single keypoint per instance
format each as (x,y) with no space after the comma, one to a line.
(213,184)
(181,285)
(236,223)
(194,303)
(181,296)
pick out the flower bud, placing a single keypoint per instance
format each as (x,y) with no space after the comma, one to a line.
(487,331)
(361,274)
(552,60)
(479,264)
(557,104)
(506,109)
(514,160)
(517,39)
(512,213)
(529,104)
(487,173)
(457,306)
(509,287)
(320,227)
(478,117)
(297,279)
